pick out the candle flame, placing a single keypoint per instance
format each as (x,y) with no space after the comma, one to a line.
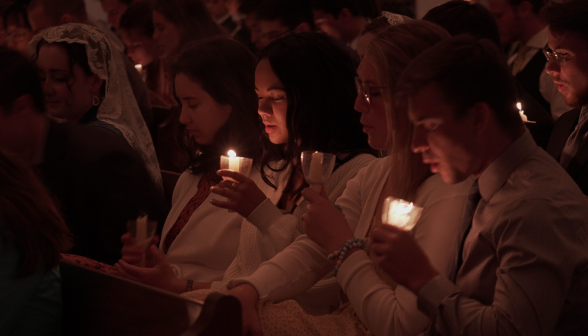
(519,106)
(231,153)
(138,66)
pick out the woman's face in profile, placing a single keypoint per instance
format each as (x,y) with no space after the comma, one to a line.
(68,91)
(202,115)
(373,114)
(167,35)
(273,103)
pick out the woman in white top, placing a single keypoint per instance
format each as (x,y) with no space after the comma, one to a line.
(306,90)
(214,82)
(372,303)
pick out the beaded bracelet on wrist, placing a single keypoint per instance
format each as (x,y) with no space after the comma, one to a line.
(350,244)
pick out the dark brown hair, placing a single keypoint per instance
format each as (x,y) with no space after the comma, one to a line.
(29,218)
(226,70)
(568,17)
(55,9)
(467,71)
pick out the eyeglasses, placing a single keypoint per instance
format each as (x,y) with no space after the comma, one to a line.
(364,89)
(16,35)
(560,58)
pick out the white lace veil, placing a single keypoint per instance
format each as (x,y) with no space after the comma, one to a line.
(119,107)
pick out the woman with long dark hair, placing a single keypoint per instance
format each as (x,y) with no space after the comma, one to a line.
(215,84)
(305,86)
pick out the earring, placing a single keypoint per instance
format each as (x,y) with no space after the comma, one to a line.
(95,101)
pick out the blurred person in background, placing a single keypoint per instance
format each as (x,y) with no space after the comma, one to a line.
(17,30)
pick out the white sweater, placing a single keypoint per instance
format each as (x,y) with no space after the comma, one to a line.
(383,310)
(267,231)
(208,243)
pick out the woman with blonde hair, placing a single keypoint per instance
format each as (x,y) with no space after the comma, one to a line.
(372,302)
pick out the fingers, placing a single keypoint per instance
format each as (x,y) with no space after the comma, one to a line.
(240,178)
(154,252)
(312,196)
(126,270)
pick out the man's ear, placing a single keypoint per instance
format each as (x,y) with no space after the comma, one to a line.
(302,28)
(481,114)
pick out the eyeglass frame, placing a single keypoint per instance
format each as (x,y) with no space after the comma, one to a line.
(560,58)
(361,86)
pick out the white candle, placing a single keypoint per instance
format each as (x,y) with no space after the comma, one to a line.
(141,229)
(400,213)
(234,161)
(521,112)
(316,168)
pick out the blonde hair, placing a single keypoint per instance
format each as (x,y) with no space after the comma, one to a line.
(391,50)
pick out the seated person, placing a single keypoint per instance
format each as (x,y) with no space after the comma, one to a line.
(85,83)
(17,29)
(32,233)
(215,85)
(373,303)
(99,181)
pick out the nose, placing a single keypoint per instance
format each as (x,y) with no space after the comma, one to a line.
(264,107)
(155,36)
(419,140)
(552,67)
(360,104)
(184,116)
(47,87)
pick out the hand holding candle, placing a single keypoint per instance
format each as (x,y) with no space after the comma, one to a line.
(142,231)
(522,114)
(317,168)
(400,213)
(235,163)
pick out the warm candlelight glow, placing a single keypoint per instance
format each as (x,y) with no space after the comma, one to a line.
(400,213)
(231,153)
(519,106)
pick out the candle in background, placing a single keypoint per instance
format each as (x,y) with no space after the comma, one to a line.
(316,168)
(521,112)
(234,164)
(139,68)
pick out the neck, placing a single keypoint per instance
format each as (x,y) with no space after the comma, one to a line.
(496,144)
(531,28)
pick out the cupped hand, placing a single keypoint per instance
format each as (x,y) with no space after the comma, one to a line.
(249,297)
(242,196)
(399,255)
(324,223)
(133,255)
(161,276)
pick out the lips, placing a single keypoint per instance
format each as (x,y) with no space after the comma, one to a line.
(53,103)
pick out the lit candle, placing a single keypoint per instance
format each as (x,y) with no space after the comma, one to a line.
(234,163)
(139,67)
(141,229)
(400,213)
(521,112)
(316,168)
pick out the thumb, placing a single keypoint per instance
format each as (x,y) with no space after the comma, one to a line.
(311,196)
(157,256)
(324,193)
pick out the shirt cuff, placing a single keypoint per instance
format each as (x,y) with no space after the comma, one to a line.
(264,215)
(433,293)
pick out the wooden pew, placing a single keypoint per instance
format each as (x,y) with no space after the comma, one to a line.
(97,303)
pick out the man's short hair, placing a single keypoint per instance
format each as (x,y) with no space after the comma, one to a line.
(570,17)
(365,8)
(55,9)
(463,17)
(290,13)
(138,18)
(18,77)
(537,4)
(467,71)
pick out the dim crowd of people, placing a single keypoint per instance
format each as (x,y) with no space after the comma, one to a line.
(477,114)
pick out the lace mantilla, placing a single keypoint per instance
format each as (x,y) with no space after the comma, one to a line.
(119,107)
